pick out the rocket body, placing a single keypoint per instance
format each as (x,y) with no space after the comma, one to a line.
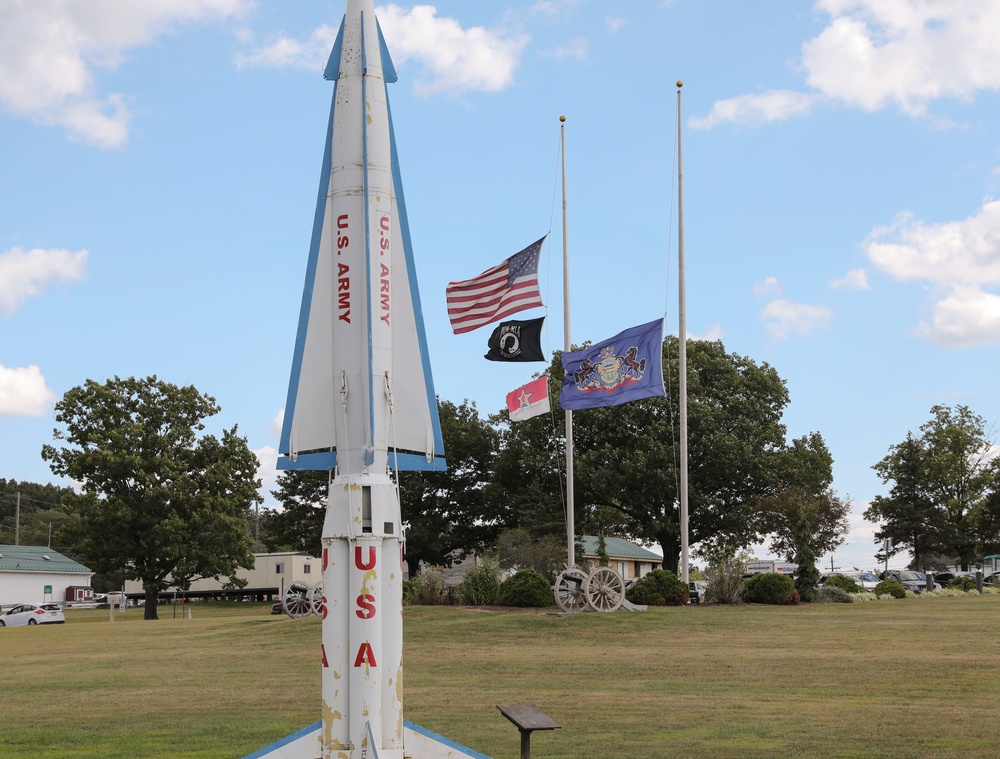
(361,399)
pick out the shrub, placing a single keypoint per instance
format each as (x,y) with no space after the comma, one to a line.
(890,588)
(770,588)
(426,589)
(661,587)
(844,583)
(963,583)
(526,588)
(481,584)
(830,593)
(725,580)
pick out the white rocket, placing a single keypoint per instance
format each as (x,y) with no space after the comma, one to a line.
(361,401)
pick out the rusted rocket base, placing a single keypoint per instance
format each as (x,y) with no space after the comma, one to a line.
(419,743)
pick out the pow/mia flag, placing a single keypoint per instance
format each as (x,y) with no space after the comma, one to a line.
(517,341)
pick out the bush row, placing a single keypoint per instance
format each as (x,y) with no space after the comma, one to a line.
(481,587)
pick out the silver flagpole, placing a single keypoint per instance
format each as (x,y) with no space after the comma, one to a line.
(567,345)
(682,342)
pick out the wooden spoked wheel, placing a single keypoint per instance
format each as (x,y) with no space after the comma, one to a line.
(571,596)
(605,589)
(297,601)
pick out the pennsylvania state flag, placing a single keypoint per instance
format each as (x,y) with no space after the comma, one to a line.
(627,367)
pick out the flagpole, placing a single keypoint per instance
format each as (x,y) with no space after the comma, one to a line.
(567,345)
(682,343)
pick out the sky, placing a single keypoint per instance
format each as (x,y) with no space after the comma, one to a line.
(159,164)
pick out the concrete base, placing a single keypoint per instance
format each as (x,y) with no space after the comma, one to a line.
(418,744)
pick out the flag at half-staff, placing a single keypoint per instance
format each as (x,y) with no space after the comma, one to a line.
(626,367)
(517,341)
(497,293)
(529,400)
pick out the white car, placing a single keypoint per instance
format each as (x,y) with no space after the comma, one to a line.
(33,614)
(866,580)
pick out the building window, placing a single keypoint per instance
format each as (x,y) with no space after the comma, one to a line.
(306,569)
(280,568)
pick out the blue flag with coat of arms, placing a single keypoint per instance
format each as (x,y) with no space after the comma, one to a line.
(626,367)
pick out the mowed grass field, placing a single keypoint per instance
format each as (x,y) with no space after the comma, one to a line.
(901,678)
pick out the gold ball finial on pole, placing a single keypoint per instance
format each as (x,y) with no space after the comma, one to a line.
(679,84)
(562,118)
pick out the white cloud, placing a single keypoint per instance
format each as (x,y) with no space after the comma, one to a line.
(49,50)
(784,318)
(768,286)
(267,470)
(23,392)
(961,262)
(874,54)
(25,274)
(614,23)
(855,279)
(554,8)
(283,52)
(456,59)
(776,105)
(962,252)
(453,59)
(276,423)
(577,48)
(712,334)
(965,317)
(908,52)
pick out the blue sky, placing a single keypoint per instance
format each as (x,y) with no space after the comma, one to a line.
(159,164)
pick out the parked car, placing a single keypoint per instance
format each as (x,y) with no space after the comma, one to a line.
(943,578)
(33,614)
(866,580)
(993,579)
(909,579)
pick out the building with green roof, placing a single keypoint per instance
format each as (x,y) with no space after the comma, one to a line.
(630,559)
(29,574)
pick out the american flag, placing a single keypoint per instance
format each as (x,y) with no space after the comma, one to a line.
(496,293)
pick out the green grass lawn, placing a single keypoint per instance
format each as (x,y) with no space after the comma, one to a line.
(906,678)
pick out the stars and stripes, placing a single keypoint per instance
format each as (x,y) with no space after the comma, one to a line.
(497,293)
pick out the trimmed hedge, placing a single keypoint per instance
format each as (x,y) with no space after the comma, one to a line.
(770,588)
(526,588)
(661,587)
(890,588)
(844,583)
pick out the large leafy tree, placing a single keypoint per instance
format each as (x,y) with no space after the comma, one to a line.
(446,514)
(803,501)
(941,488)
(626,457)
(298,524)
(157,501)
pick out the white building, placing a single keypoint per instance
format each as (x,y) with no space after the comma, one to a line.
(271,574)
(29,574)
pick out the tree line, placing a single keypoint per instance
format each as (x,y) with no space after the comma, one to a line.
(156,497)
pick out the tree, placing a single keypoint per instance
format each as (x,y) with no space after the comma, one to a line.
(446,514)
(156,501)
(626,457)
(806,574)
(804,475)
(908,517)
(298,525)
(941,486)
(41,514)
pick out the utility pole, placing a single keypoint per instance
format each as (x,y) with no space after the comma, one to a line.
(17,521)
